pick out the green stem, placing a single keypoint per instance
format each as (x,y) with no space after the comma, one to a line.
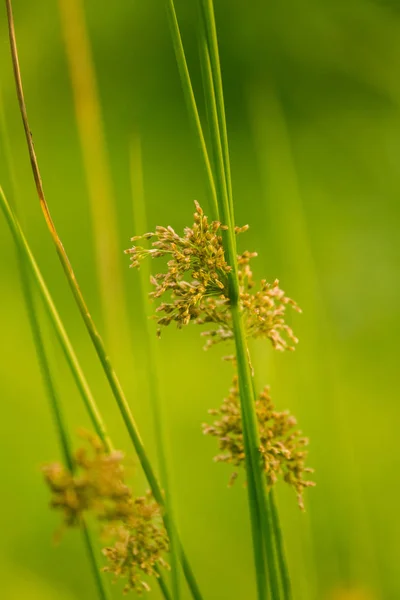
(55,408)
(224,197)
(191,101)
(255,521)
(250,433)
(163,587)
(87,536)
(280,548)
(56,321)
(54,401)
(254,506)
(207,10)
(150,352)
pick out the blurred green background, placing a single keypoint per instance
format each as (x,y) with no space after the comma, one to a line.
(312,94)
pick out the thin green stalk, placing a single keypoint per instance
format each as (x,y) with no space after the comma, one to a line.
(280,548)
(164,590)
(273,527)
(207,11)
(191,101)
(103,593)
(44,366)
(59,328)
(150,352)
(65,343)
(97,341)
(250,432)
(254,505)
(49,385)
(55,407)
(262,576)
(215,134)
(213,84)
(71,358)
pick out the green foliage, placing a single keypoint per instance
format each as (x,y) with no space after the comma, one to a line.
(320,187)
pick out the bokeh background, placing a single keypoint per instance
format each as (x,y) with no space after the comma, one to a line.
(312,97)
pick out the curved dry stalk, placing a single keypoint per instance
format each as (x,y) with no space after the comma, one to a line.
(94,334)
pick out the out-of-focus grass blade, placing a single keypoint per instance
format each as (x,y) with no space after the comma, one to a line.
(97,171)
(284,206)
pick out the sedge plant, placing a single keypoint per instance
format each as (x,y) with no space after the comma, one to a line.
(208,282)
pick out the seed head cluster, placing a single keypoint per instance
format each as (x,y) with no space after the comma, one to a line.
(133,525)
(140,545)
(282,446)
(97,485)
(195,287)
(196,284)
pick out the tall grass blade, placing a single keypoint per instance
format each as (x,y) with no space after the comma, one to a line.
(191,102)
(150,352)
(57,323)
(210,33)
(97,170)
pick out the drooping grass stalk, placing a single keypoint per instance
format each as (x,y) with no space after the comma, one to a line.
(96,169)
(150,352)
(97,341)
(45,370)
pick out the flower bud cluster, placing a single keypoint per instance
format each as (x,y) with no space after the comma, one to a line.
(196,284)
(133,525)
(282,445)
